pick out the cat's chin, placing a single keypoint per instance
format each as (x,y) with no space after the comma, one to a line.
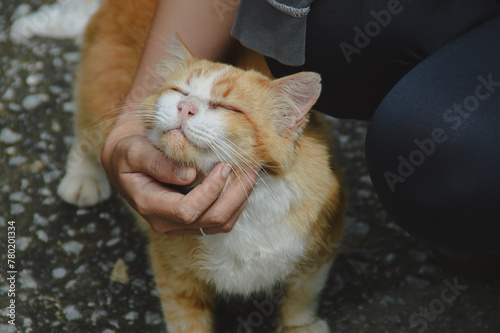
(178,148)
(182,151)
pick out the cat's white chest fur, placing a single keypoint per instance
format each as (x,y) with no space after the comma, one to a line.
(262,248)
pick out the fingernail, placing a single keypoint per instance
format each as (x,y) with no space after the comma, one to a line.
(183,173)
(227,169)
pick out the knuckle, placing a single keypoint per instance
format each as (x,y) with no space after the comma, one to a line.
(158,227)
(187,215)
(140,209)
(213,188)
(139,204)
(226,228)
(129,153)
(222,222)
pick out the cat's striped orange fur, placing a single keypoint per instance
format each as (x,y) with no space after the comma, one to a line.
(257,133)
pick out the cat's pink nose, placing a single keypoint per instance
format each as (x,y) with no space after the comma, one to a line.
(186,110)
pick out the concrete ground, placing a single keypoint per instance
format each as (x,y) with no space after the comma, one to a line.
(383,279)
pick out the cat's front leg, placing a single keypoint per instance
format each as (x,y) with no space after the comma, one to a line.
(85,182)
(300,303)
(187,302)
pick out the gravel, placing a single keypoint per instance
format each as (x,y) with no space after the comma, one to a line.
(383,279)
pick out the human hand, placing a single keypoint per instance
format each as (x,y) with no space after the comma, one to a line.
(140,173)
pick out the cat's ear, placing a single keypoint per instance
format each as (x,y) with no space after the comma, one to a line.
(298,94)
(177,54)
(178,51)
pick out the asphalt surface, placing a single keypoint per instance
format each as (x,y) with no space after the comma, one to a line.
(383,279)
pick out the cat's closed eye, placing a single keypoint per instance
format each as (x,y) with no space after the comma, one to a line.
(179,90)
(215,105)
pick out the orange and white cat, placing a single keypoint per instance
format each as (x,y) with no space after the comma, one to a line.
(207,113)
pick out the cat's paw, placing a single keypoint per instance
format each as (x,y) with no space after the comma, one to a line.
(84,188)
(319,326)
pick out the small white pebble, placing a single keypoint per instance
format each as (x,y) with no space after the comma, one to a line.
(72,56)
(17,160)
(42,235)
(9,95)
(82,211)
(69,107)
(40,220)
(11,150)
(34,79)
(22,243)
(130,256)
(7,328)
(56,127)
(58,273)
(98,314)
(72,247)
(113,241)
(8,136)
(27,322)
(105,216)
(71,313)
(49,177)
(57,62)
(30,102)
(71,284)
(131,316)
(19,197)
(14,107)
(25,183)
(26,280)
(152,318)
(82,269)
(45,192)
(36,166)
(16,209)
(91,228)
(49,201)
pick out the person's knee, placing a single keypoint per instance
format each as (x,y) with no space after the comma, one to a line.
(434,188)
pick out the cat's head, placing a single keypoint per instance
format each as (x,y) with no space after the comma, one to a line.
(210,112)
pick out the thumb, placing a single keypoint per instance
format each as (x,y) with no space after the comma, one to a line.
(144,157)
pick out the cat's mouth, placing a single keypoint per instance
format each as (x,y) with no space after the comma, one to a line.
(179,147)
(177,133)
(177,137)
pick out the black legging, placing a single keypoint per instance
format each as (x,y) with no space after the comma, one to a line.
(427,74)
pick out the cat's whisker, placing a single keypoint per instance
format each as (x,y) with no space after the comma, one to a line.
(233,163)
(133,114)
(234,146)
(245,171)
(124,106)
(222,154)
(249,156)
(236,164)
(227,144)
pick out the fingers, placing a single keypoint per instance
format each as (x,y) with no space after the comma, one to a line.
(225,211)
(140,173)
(142,156)
(158,203)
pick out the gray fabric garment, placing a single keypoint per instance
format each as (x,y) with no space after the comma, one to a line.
(276,29)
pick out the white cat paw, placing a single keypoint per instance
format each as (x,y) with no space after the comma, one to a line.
(319,326)
(84,189)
